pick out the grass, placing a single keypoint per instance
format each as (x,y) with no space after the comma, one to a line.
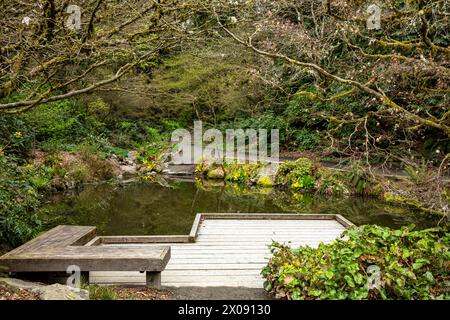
(102,293)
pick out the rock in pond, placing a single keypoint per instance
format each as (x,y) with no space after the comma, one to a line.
(217,173)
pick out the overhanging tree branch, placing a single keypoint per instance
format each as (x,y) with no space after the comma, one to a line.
(364,88)
(5,108)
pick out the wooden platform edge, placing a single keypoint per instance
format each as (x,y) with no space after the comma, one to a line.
(195,226)
(345,222)
(191,238)
(268,216)
(140,239)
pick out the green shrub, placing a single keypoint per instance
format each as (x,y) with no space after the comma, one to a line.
(18,203)
(121,153)
(16,136)
(77,172)
(360,179)
(39,182)
(303,183)
(290,172)
(419,173)
(371,262)
(331,182)
(241,173)
(62,121)
(306,139)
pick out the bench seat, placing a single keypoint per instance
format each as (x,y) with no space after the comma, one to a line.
(64,246)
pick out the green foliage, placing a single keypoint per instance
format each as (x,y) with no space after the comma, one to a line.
(333,183)
(241,173)
(121,153)
(305,182)
(360,179)
(305,139)
(419,173)
(40,177)
(18,201)
(291,172)
(16,136)
(102,293)
(57,124)
(187,88)
(411,264)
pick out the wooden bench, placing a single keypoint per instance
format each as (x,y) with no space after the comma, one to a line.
(64,246)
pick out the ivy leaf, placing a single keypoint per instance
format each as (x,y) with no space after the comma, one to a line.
(419,263)
(400,282)
(429,276)
(268,285)
(349,280)
(329,274)
(359,278)
(406,253)
(288,279)
(315,292)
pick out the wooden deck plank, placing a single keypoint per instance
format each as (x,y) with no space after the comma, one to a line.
(57,237)
(221,249)
(63,246)
(230,252)
(185,272)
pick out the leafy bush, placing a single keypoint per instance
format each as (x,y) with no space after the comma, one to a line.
(290,172)
(303,183)
(16,136)
(371,262)
(121,153)
(241,173)
(306,139)
(361,180)
(18,201)
(60,122)
(332,182)
(419,173)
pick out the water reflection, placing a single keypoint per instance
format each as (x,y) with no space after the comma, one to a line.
(149,208)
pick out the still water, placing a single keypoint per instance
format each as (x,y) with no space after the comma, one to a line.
(144,208)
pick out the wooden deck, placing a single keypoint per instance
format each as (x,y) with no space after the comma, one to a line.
(224,249)
(64,246)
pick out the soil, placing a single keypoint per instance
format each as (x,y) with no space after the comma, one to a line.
(220,293)
(8,293)
(142,293)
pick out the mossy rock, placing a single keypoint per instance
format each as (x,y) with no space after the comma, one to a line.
(265,181)
(216,173)
(202,168)
(154,167)
(377,190)
(395,199)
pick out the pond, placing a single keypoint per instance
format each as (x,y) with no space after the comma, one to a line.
(144,208)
